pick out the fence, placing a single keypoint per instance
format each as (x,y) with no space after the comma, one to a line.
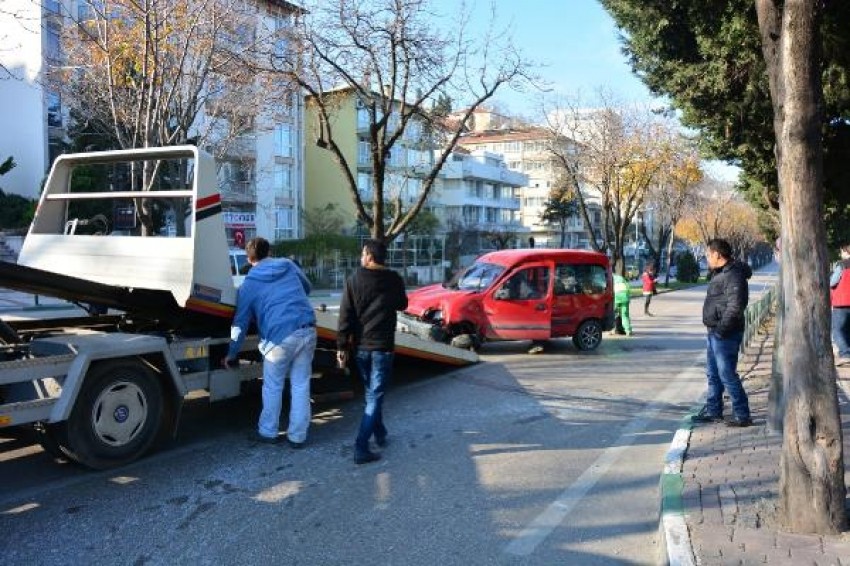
(756,313)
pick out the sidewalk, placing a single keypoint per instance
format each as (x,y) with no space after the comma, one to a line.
(730,485)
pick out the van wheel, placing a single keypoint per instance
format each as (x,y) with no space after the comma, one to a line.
(588,336)
(116,417)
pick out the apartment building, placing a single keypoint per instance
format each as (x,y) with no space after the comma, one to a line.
(409,161)
(32,126)
(477,191)
(526,149)
(261,171)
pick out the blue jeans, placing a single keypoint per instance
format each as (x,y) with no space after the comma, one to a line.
(294,356)
(841,330)
(721,366)
(375,369)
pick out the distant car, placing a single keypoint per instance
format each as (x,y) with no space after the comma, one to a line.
(239,266)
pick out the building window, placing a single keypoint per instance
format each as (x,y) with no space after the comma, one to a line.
(364,155)
(284,223)
(54,110)
(283,140)
(283,181)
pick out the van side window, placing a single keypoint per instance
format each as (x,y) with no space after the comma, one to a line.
(528,284)
(572,279)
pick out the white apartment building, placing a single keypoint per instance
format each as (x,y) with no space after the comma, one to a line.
(31,126)
(261,176)
(478,191)
(526,149)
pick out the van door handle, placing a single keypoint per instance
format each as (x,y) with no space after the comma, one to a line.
(540,307)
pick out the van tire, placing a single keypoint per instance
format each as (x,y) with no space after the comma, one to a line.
(588,336)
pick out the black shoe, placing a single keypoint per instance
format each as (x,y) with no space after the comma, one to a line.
(257,437)
(295,445)
(703,417)
(739,423)
(366,457)
(382,441)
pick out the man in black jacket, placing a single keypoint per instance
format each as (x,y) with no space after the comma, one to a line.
(723,316)
(367,321)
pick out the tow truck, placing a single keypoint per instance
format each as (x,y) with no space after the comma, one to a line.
(137,238)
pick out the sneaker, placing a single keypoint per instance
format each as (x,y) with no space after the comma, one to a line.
(629,333)
(295,445)
(703,417)
(382,441)
(739,423)
(366,457)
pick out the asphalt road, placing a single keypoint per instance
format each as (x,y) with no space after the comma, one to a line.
(522,459)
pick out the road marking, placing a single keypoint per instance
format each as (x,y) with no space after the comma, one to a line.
(554,515)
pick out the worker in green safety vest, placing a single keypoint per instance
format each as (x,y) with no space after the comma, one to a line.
(622,295)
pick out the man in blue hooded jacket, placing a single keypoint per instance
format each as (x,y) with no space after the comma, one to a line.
(274,294)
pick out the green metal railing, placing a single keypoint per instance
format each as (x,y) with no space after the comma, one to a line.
(756,313)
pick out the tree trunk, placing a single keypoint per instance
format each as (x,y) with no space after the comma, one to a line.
(812,465)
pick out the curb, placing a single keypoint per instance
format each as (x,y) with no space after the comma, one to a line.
(675,538)
(673,529)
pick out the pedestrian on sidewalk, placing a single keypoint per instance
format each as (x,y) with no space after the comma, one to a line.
(274,294)
(723,315)
(649,280)
(839,284)
(367,321)
(622,296)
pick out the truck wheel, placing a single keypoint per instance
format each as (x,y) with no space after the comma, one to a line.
(117,415)
(588,336)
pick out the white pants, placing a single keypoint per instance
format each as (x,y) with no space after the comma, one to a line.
(293,356)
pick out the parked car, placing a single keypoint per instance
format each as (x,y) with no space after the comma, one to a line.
(531,294)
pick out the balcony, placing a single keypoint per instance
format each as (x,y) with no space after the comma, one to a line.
(239,191)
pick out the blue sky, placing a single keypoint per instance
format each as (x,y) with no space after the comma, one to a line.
(575,40)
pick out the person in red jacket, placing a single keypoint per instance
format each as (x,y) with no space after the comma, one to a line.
(839,284)
(648,279)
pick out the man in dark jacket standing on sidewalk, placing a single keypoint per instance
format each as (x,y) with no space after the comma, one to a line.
(367,321)
(723,316)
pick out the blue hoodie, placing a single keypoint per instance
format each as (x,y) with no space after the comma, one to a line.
(274,294)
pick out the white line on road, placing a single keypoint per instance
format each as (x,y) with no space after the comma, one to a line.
(554,515)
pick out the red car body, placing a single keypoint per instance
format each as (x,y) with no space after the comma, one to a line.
(530,294)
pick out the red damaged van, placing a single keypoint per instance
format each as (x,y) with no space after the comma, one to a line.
(530,294)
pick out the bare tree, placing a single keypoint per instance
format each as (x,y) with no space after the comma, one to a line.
(147,73)
(396,59)
(812,465)
(615,157)
(677,180)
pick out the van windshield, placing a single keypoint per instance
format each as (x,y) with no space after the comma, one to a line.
(479,276)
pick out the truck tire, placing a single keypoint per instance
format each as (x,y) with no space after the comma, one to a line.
(588,336)
(117,415)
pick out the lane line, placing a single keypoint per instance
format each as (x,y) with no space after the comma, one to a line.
(554,515)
